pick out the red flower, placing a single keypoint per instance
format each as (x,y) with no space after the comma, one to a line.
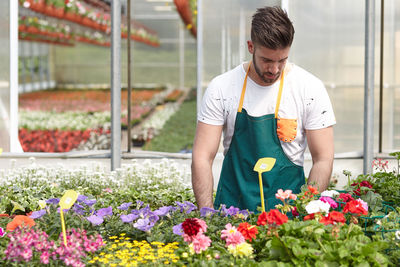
(309,217)
(345,197)
(333,217)
(272,217)
(358,186)
(337,217)
(295,213)
(248,231)
(191,227)
(354,207)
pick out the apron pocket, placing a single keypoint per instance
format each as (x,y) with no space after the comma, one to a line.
(286,129)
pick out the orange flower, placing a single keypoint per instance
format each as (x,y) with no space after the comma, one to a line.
(313,190)
(18,221)
(248,231)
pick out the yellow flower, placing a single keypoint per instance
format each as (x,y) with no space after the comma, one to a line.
(122,234)
(42,204)
(113,237)
(242,250)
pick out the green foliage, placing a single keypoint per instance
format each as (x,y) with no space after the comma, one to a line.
(178,132)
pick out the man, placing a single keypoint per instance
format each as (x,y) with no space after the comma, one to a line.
(266,108)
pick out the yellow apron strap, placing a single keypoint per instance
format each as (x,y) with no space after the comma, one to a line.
(244,89)
(278,100)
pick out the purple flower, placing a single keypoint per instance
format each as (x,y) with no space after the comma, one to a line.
(54,201)
(330,201)
(177,229)
(163,211)
(139,204)
(78,209)
(244,213)
(125,206)
(207,212)
(145,211)
(229,212)
(38,214)
(81,198)
(95,220)
(143,224)
(64,210)
(2,232)
(90,202)
(187,206)
(128,218)
(104,212)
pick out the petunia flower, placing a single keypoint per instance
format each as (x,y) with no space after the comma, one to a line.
(163,211)
(90,202)
(125,206)
(143,224)
(95,220)
(177,229)
(207,212)
(54,201)
(81,198)
(128,218)
(38,214)
(104,212)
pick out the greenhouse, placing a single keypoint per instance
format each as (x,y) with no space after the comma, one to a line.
(123,141)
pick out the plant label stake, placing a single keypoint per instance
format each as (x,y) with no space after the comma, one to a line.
(263,165)
(66,202)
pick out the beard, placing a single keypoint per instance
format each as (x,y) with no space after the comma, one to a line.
(261,74)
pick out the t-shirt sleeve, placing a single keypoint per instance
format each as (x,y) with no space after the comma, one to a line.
(211,109)
(319,111)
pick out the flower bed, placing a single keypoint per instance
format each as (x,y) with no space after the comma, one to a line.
(142,214)
(62,120)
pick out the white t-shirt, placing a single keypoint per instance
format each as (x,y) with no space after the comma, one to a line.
(304,98)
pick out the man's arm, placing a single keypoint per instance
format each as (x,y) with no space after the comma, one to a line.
(320,143)
(205,147)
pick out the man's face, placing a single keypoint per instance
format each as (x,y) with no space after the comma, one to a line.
(268,63)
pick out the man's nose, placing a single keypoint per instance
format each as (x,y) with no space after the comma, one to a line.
(273,67)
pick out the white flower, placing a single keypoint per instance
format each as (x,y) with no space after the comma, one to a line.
(330,193)
(397,235)
(317,206)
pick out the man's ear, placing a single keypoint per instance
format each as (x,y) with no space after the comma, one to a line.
(250,46)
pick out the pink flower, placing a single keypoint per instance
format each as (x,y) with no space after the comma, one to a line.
(2,232)
(203,225)
(330,201)
(108,190)
(232,236)
(287,194)
(44,258)
(363,203)
(200,243)
(27,254)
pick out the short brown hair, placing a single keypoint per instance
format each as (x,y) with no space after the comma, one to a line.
(272,28)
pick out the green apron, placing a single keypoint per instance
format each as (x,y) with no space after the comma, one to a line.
(255,138)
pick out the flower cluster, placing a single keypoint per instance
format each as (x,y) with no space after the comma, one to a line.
(26,244)
(273,218)
(124,252)
(193,234)
(361,187)
(235,241)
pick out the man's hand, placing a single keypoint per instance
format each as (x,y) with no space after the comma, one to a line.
(320,143)
(205,147)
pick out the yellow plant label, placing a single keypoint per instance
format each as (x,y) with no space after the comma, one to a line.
(68,199)
(264,165)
